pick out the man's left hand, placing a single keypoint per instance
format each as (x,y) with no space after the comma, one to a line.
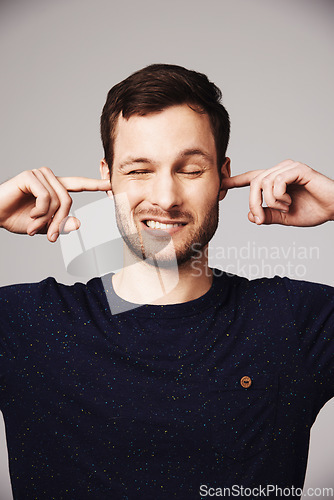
(295,194)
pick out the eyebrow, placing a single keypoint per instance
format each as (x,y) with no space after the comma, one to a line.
(196,152)
(187,153)
(133,160)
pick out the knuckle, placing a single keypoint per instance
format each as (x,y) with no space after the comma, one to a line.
(55,204)
(266,182)
(27,173)
(45,195)
(254,182)
(68,201)
(45,170)
(65,205)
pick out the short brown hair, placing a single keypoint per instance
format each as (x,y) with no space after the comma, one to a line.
(157,87)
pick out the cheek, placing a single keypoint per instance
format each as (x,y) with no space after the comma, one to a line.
(134,198)
(208,196)
(208,205)
(127,194)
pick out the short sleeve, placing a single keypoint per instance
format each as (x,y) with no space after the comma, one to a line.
(18,318)
(312,307)
(9,321)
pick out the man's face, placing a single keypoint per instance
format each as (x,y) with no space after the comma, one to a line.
(165,163)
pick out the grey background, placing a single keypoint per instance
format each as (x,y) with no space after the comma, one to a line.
(274,63)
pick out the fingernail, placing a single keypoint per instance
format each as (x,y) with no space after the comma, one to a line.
(54,236)
(33,233)
(257,220)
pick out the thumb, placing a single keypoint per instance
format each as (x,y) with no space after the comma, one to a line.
(269,216)
(69,224)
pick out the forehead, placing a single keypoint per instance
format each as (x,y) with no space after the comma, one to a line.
(163,133)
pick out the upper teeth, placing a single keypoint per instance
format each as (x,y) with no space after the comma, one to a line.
(159,225)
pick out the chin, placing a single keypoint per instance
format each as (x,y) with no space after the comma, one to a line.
(171,260)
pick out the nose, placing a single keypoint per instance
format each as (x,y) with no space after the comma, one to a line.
(165,191)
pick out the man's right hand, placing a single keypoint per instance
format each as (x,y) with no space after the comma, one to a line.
(36,201)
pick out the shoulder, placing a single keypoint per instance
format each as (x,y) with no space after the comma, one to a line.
(28,296)
(277,290)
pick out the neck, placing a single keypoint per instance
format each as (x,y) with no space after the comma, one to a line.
(141,282)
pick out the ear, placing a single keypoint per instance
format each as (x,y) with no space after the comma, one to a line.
(225,172)
(105,173)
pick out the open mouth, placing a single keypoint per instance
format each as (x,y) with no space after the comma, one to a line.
(169,227)
(153,224)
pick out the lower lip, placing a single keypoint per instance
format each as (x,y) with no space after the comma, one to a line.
(162,232)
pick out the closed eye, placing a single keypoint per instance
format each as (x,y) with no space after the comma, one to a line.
(193,172)
(138,172)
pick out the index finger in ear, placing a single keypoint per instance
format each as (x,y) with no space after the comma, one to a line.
(240,180)
(77,184)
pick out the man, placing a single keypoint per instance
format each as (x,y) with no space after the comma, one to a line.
(126,388)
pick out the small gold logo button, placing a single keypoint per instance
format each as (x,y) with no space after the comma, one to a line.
(246,382)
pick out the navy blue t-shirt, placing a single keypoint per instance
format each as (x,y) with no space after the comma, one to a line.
(152,402)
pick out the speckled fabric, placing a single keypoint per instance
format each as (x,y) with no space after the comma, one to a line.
(151,403)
